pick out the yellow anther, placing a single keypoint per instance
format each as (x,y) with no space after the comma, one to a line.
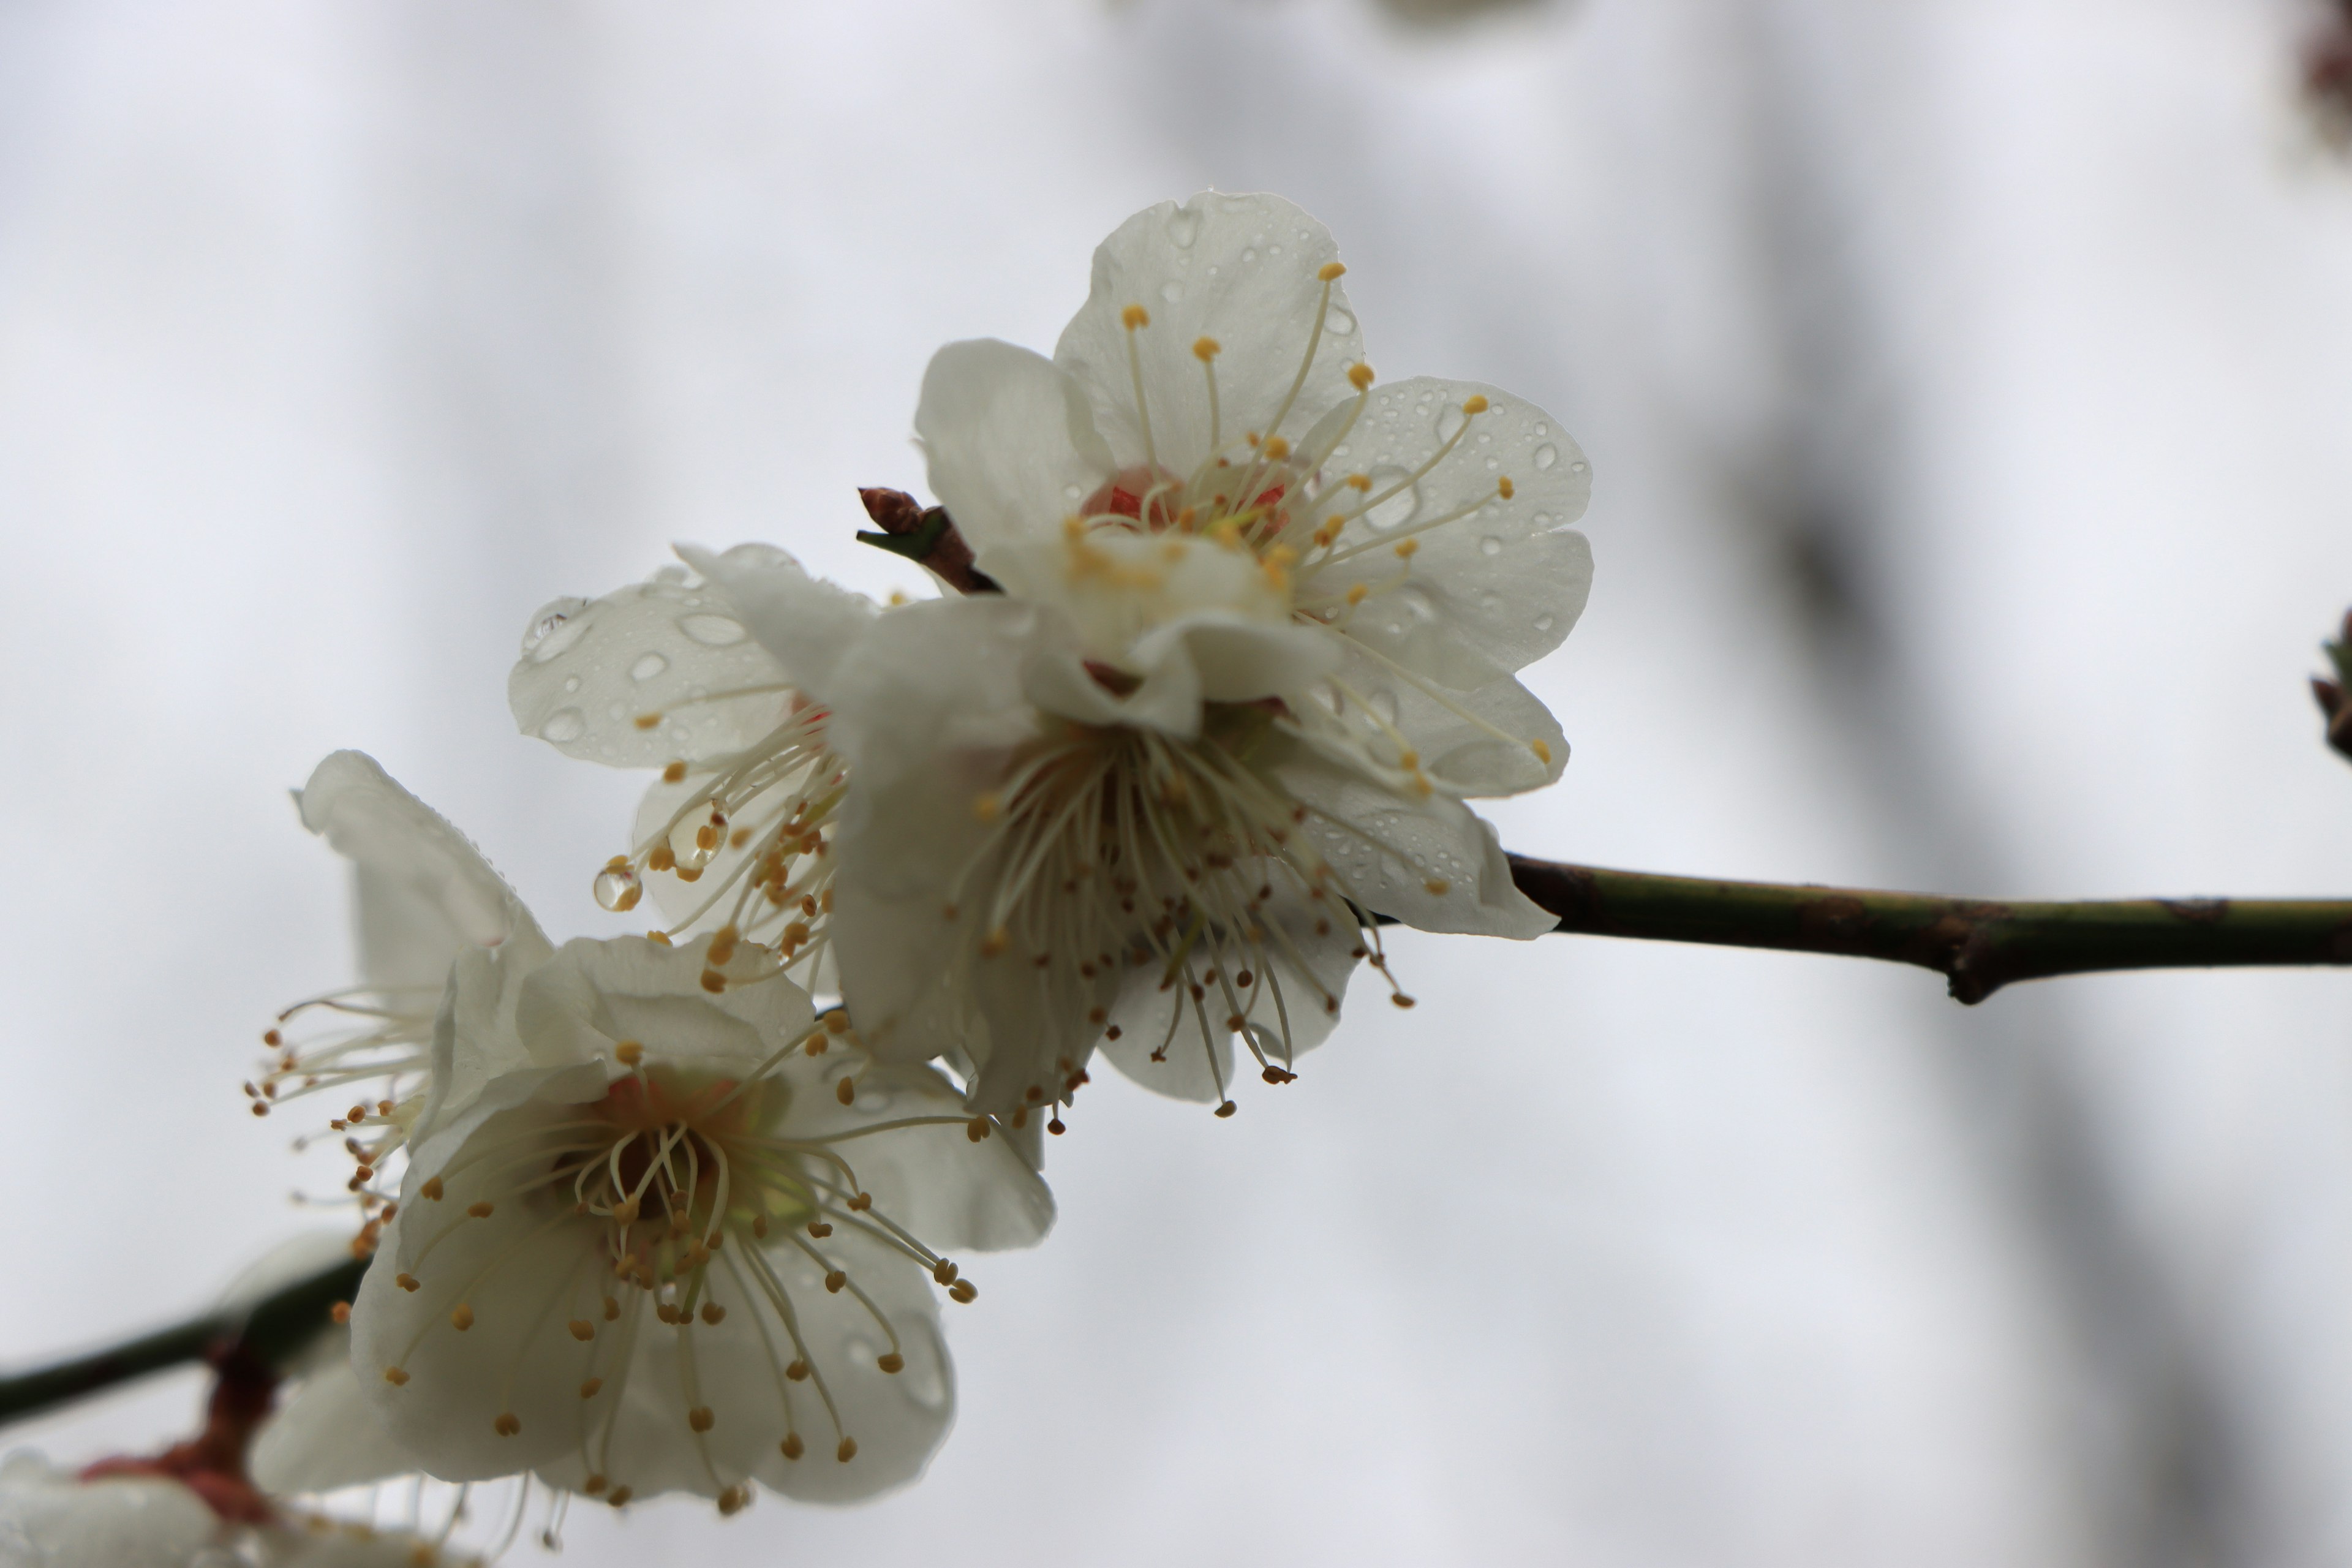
(835,1281)
(1276,448)
(674,774)
(648,720)
(1407,549)
(1356,594)
(628,1053)
(625,1213)
(996,941)
(1402,1000)
(861,1202)
(621,1496)
(1542,749)
(462,1319)
(849,1449)
(1359,481)
(819,1229)
(976,1129)
(846,1091)
(507,1424)
(814,1044)
(837,1021)
(943,1272)
(1134,316)
(406,1282)
(482,1210)
(394,1376)
(594,1485)
(1206,349)
(893,1363)
(1437,887)
(661,859)
(798,1371)
(722,944)
(987,806)
(590,1389)
(1474,403)
(1227,1108)
(731,1500)
(712,1312)
(582,1329)
(1359,376)
(432,1189)
(1331,272)
(963,1291)
(612,1309)
(713,982)
(791,1447)
(700,1418)
(897,597)
(1503,487)
(1408,759)
(658,938)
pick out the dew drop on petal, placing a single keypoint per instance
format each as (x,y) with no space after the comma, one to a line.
(556,628)
(1249,253)
(1544,623)
(712,631)
(1577,467)
(1338,323)
(1183,228)
(1171,291)
(648,667)
(1546,454)
(1397,510)
(564,725)
(1490,545)
(571,683)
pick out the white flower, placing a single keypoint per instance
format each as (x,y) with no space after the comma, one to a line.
(663,675)
(689,1247)
(1256,644)
(427,902)
(49,1519)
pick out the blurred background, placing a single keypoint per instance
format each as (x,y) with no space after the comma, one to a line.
(1969,385)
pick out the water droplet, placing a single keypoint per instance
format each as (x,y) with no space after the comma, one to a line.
(1274,250)
(1546,454)
(1544,623)
(565,724)
(617,888)
(1171,291)
(1339,323)
(556,628)
(1071,494)
(672,573)
(1249,253)
(1398,509)
(1490,545)
(1184,228)
(712,631)
(648,667)
(1450,423)
(1578,467)
(571,683)
(1490,603)
(695,840)
(1542,429)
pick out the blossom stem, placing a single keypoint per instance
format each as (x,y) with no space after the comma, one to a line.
(274,1329)
(1977,946)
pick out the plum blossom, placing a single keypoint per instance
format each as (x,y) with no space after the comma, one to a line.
(1256,644)
(428,904)
(52,1519)
(662,674)
(690,1246)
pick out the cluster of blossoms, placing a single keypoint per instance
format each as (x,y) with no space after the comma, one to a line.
(1232,636)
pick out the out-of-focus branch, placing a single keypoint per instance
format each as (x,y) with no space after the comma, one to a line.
(272,1332)
(2331,693)
(1978,946)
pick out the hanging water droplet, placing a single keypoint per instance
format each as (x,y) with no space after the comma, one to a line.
(697,840)
(1578,467)
(1171,291)
(1339,323)
(1546,454)
(712,631)
(1544,623)
(555,627)
(617,888)
(571,683)
(563,725)
(1397,510)
(1184,228)
(648,667)
(1490,545)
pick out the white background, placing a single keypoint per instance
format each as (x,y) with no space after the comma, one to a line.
(1969,385)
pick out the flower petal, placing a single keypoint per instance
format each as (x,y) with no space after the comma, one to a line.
(325,1435)
(1240,270)
(806,622)
(657,671)
(126,1522)
(425,894)
(1497,740)
(1498,586)
(1011,446)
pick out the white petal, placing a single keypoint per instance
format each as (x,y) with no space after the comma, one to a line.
(1429,863)
(1011,446)
(1240,270)
(1489,592)
(324,1435)
(342,1545)
(426,892)
(48,1519)
(932,679)
(655,672)
(1497,740)
(593,995)
(806,622)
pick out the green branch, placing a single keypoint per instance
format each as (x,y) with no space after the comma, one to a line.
(274,1328)
(1977,945)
